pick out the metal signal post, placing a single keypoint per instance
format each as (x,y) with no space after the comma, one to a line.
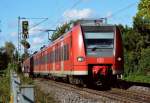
(19,39)
(23,33)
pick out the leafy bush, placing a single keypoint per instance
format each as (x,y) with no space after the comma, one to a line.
(144,62)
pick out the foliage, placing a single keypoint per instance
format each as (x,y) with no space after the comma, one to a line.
(136,41)
(10,48)
(138,78)
(6,54)
(5,84)
(4,60)
(25,80)
(41,97)
(144,8)
(61,30)
(144,62)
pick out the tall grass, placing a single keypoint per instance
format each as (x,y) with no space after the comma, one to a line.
(5,85)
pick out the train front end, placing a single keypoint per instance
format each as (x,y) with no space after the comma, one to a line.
(103,51)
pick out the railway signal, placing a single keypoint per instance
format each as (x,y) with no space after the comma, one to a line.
(25,29)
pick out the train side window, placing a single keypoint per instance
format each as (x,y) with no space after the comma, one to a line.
(49,57)
(52,56)
(34,63)
(67,51)
(40,59)
(64,52)
(45,58)
(37,61)
(59,53)
(56,55)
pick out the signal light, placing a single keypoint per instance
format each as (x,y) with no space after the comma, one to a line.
(25,27)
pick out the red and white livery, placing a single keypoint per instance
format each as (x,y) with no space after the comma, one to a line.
(90,50)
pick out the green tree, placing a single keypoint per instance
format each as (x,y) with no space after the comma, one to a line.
(6,54)
(144,62)
(143,9)
(61,30)
(141,22)
(136,41)
(9,48)
(4,59)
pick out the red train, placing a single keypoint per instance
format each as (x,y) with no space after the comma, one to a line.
(90,52)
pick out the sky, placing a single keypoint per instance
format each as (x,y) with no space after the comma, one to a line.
(58,12)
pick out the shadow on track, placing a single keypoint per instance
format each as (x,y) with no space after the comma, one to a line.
(122,84)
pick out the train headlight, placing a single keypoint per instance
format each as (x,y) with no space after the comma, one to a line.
(80,59)
(119,58)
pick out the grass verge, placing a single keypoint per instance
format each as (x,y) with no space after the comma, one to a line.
(138,78)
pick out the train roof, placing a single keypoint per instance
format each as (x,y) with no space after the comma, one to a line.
(81,22)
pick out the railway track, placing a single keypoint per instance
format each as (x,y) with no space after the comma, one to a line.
(143,97)
(118,95)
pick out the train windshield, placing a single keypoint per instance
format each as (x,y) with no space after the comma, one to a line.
(99,41)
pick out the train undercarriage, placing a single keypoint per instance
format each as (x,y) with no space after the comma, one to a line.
(97,76)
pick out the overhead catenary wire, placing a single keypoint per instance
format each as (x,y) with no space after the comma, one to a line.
(73,6)
(38,23)
(35,25)
(121,10)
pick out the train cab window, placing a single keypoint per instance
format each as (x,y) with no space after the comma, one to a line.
(99,40)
